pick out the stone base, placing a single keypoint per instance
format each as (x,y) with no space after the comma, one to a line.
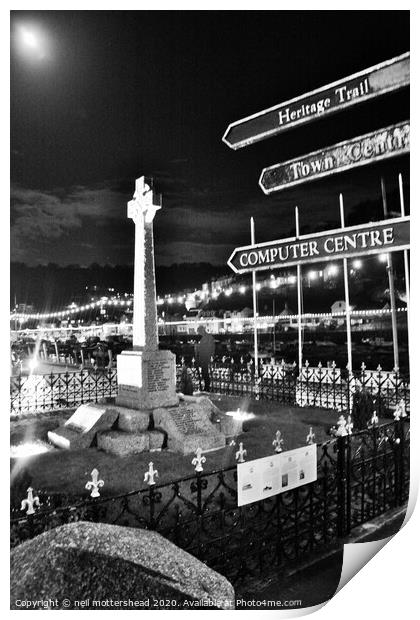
(79,431)
(124,444)
(146,379)
(224,423)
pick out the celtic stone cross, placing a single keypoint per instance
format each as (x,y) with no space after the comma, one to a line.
(142,209)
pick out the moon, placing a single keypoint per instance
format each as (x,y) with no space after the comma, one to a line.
(31,42)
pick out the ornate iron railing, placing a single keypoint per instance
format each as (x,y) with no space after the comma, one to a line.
(330,387)
(359,477)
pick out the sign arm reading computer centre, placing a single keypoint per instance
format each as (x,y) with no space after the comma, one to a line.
(372,238)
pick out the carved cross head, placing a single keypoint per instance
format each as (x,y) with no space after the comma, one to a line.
(145,202)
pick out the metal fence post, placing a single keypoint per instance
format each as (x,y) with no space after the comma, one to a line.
(342,486)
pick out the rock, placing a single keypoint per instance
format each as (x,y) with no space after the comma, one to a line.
(132,420)
(98,563)
(224,423)
(81,428)
(188,428)
(156,439)
(122,443)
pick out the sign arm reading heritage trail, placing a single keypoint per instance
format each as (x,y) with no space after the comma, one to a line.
(365,85)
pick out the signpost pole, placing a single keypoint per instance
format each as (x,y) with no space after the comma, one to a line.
(406,269)
(254,304)
(391,286)
(299,295)
(347,297)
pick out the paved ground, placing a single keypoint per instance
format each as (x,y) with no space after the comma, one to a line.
(316,582)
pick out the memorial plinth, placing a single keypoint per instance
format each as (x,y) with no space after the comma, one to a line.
(146,380)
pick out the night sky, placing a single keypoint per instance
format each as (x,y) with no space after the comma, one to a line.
(112,95)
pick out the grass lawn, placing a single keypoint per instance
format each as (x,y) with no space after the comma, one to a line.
(61,471)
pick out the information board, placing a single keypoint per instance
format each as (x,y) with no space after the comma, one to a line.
(275,474)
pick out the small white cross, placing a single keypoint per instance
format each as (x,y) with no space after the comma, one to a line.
(341,430)
(30,502)
(94,484)
(402,409)
(349,425)
(374,420)
(198,460)
(239,456)
(149,476)
(310,437)
(278,442)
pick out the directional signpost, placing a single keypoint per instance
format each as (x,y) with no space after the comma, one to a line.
(367,149)
(373,238)
(383,78)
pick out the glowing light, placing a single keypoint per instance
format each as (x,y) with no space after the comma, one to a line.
(242,289)
(29,38)
(240,415)
(28,449)
(258,286)
(180,299)
(333,270)
(312,275)
(291,279)
(357,264)
(383,258)
(33,363)
(228,292)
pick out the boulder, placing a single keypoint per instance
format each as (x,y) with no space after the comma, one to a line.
(108,566)
(122,443)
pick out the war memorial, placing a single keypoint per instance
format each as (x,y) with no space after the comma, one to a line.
(200,500)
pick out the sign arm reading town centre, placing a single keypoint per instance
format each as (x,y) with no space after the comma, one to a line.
(361,151)
(373,238)
(380,79)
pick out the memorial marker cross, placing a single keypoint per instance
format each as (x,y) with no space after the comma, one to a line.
(278,442)
(198,460)
(149,476)
(310,437)
(30,502)
(239,456)
(94,484)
